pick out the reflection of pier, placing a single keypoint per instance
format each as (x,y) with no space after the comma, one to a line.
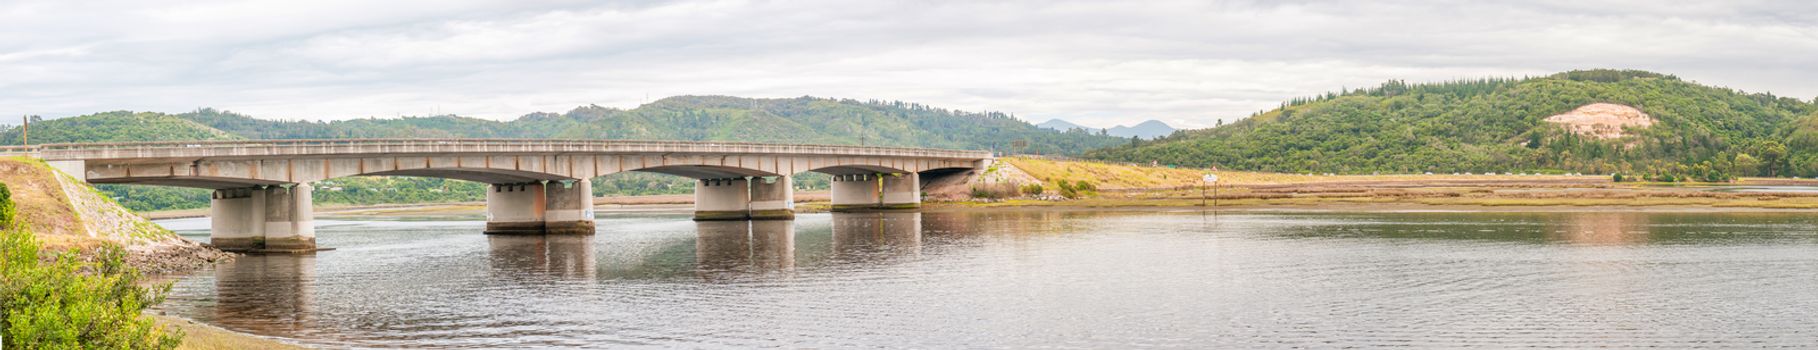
(857,235)
(566,256)
(744,246)
(267,294)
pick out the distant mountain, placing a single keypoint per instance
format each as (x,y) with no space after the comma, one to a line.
(690,118)
(1147,130)
(1062,125)
(1596,121)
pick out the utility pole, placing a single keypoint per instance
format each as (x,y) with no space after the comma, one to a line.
(25,130)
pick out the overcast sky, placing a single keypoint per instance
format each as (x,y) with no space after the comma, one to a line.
(1097,63)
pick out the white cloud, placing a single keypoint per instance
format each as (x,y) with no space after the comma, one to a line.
(1096,63)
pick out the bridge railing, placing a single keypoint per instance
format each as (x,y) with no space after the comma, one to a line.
(10,151)
(405,146)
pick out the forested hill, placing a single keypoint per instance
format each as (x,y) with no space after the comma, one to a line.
(717,118)
(1545,124)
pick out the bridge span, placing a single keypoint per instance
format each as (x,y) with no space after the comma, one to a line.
(262,188)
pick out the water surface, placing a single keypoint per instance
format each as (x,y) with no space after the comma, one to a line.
(1039,279)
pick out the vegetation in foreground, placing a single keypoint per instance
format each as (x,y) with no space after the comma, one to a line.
(62,302)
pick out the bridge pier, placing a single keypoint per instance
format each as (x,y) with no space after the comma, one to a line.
(773,198)
(856,192)
(901,191)
(534,208)
(722,199)
(263,219)
(570,208)
(867,192)
(754,198)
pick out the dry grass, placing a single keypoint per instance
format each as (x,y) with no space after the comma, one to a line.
(197,336)
(1141,186)
(1123,176)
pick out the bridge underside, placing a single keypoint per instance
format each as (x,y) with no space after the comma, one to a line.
(265,204)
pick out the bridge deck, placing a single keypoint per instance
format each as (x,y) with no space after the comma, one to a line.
(305,148)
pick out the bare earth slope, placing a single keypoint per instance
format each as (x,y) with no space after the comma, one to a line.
(1602,120)
(66,213)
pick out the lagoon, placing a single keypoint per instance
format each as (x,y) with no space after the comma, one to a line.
(1029,278)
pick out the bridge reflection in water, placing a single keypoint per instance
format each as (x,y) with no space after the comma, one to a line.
(557,256)
(272,294)
(877,235)
(268,293)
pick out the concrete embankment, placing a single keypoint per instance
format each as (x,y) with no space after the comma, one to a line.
(65,213)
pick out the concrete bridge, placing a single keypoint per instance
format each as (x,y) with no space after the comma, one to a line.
(262,188)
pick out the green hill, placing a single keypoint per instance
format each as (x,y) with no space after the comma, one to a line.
(119,126)
(1500,125)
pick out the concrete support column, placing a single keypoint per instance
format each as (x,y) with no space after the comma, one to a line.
(855,192)
(570,208)
(231,216)
(722,199)
(516,208)
(772,198)
(901,191)
(263,219)
(290,218)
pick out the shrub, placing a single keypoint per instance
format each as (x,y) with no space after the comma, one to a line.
(1032,189)
(7,210)
(1066,189)
(65,303)
(994,191)
(1616,177)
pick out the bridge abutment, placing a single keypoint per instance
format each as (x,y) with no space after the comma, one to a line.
(263,219)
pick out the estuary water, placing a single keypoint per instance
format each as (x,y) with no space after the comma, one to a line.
(1020,279)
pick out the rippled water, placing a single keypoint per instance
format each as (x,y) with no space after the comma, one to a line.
(1041,279)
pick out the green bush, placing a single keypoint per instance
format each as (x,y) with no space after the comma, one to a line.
(1066,189)
(7,211)
(1032,189)
(65,303)
(994,191)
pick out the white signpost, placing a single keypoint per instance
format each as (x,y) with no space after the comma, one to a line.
(1210,180)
